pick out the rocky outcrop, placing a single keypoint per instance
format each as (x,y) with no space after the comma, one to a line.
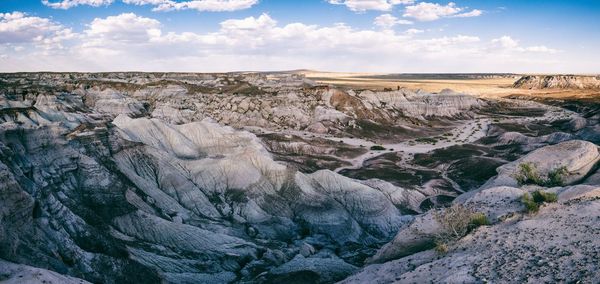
(496,203)
(119,199)
(528,143)
(576,157)
(12,273)
(557,244)
(495,199)
(120,178)
(557,82)
(324,268)
(421,104)
(512,236)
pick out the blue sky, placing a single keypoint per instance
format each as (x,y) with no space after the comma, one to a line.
(534,36)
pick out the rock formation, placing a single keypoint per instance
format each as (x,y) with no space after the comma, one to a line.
(557,82)
(219,178)
(556,244)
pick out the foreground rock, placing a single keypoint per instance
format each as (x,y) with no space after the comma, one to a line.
(576,157)
(559,243)
(11,273)
(498,198)
(496,203)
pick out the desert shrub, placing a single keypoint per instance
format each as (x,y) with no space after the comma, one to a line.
(456,222)
(544,197)
(441,247)
(528,174)
(530,205)
(533,201)
(479,219)
(556,177)
(377,148)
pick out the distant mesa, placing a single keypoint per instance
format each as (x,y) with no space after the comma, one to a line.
(558,82)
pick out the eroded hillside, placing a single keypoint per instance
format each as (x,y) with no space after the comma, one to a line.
(558,82)
(250,177)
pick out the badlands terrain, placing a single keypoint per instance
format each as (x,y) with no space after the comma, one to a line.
(299,177)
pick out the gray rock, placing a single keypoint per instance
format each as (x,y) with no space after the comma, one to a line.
(307,250)
(578,157)
(525,249)
(310,270)
(12,273)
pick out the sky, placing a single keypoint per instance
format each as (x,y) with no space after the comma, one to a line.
(384,36)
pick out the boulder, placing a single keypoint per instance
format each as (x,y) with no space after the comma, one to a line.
(497,202)
(311,270)
(576,156)
(12,273)
(417,236)
(578,192)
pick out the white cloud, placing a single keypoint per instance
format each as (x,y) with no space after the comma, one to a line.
(132,42)
(506,42)
(541,48)
(387,21)
(473,13)
(145,2)
(127,27)
(416,31)
(509,45)
(199,5)
(18,27)
(66,4)
(253,43)
(263,22)
(425,11)
(162,5)
(364,5)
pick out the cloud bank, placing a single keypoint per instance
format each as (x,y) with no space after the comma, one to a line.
(162,5)
(131,42)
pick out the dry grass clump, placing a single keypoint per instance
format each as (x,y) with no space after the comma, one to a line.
(456,222)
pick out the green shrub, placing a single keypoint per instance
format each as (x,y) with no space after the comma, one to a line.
(530,205)
(556,177)
(479,219)
(528,174)
(377,148)
(542,196)
(533,201)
